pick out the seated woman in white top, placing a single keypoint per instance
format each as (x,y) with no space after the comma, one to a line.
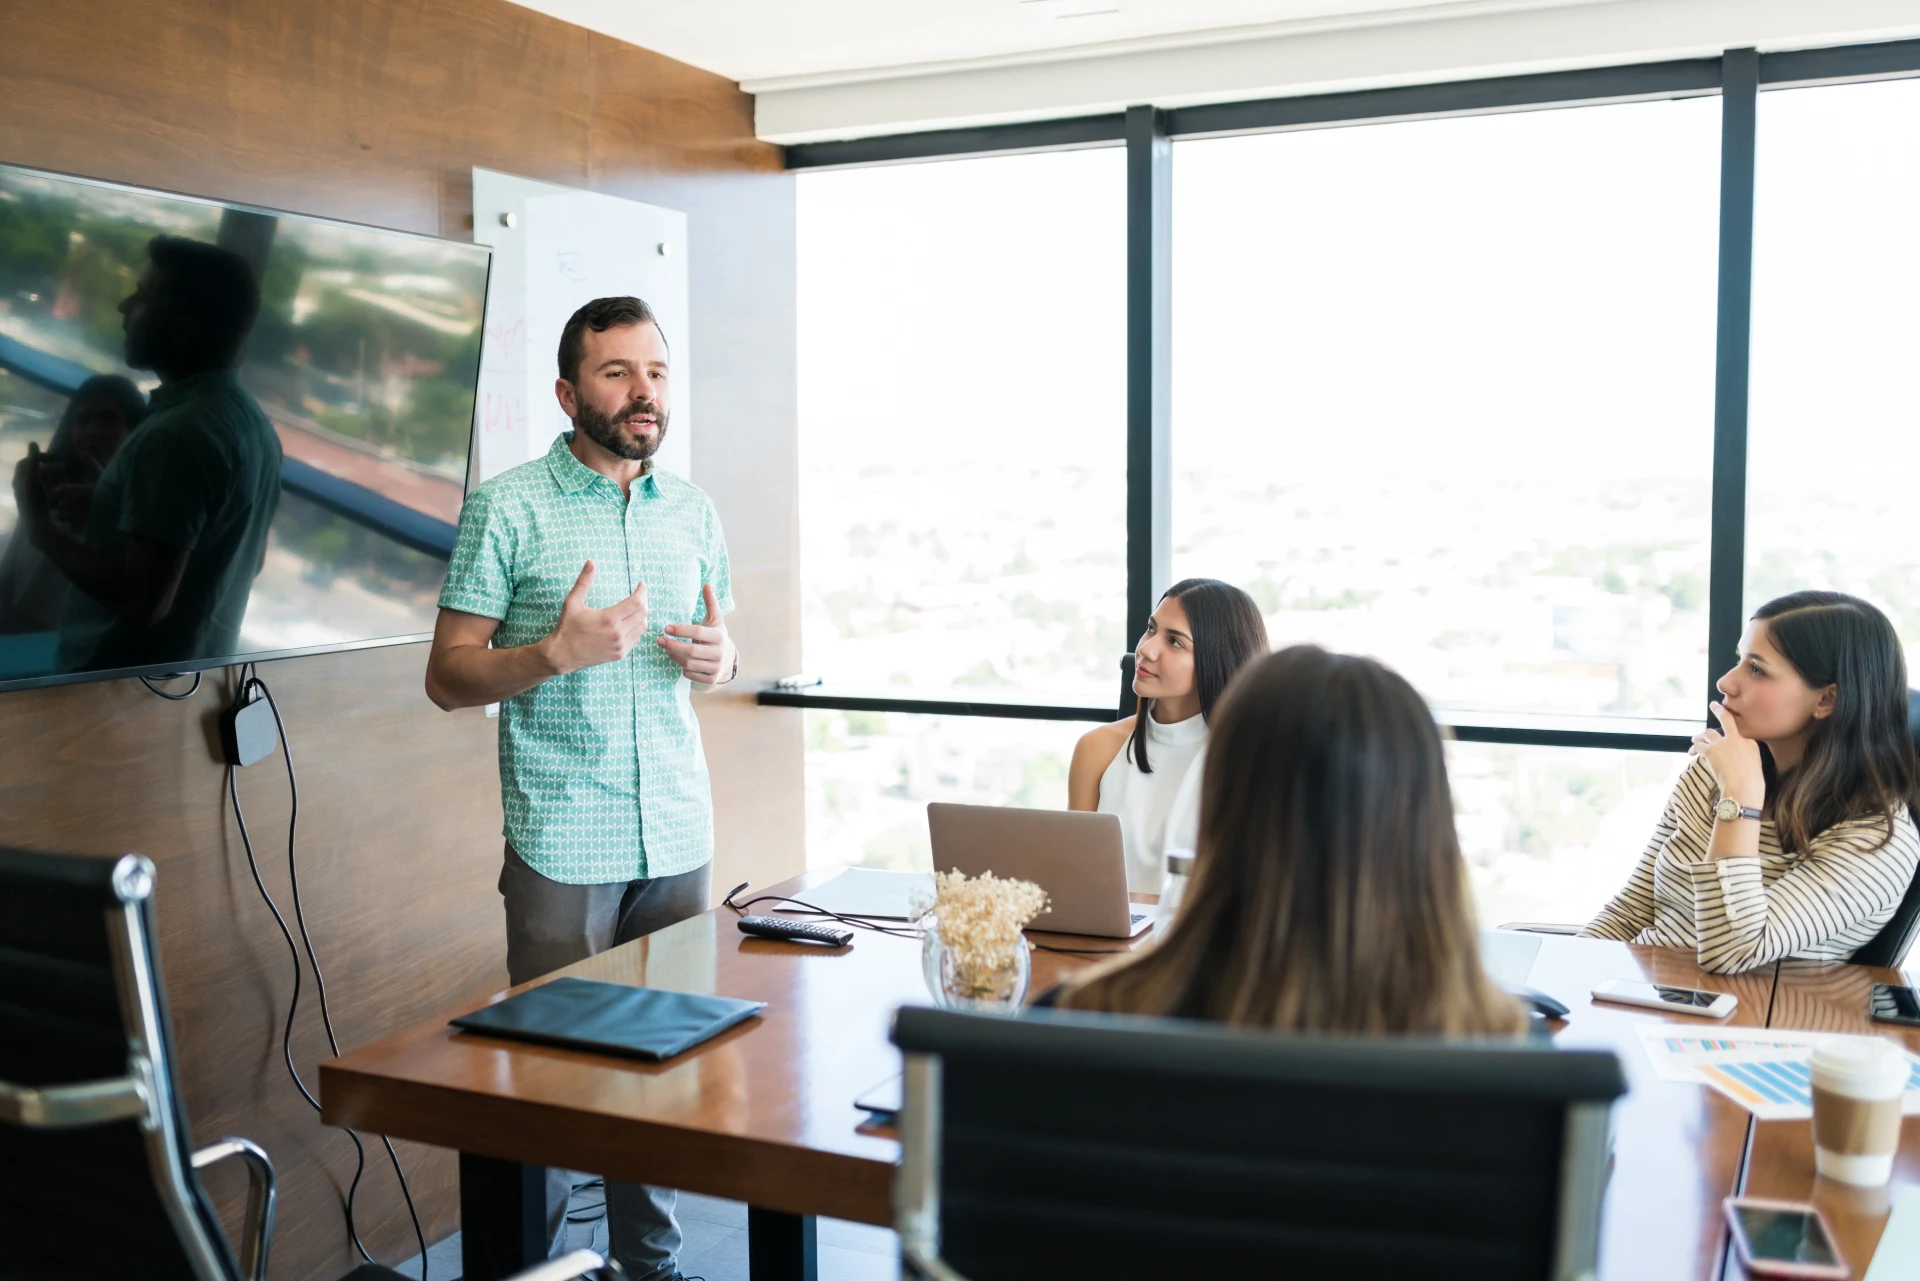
(1790,834)
(1203,632)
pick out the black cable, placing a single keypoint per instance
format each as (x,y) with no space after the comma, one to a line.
(319,980)
(897,931)
(191,690)
(286,1032)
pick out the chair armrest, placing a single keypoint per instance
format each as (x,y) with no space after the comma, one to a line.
(261,1191)
(570,1267)
(1540,927)
(915,1262)
(61,1107)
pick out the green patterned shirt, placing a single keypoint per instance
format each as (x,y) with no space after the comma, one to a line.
(602,774)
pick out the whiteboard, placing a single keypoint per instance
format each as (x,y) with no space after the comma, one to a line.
(565,248)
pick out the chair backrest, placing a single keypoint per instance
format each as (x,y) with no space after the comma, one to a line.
(1896,937)
(1074,1145)
(96,1175)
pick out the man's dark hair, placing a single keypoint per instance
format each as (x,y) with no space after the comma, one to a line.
(600,315)
(210,286)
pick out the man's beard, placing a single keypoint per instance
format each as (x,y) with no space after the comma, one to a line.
(611,433)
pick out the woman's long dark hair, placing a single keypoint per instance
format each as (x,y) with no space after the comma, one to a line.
(1328,890)
(1228,633)
(1859,761)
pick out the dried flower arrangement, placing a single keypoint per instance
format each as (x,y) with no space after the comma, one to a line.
(978,921)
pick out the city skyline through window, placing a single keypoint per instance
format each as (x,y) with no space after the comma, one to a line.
(1443,393)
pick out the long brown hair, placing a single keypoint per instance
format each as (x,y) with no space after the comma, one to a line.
(1859,761)
(1328,891)
(1228,633)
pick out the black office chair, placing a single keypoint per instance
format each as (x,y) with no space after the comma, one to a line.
(1895,938)
(97,1175)
(1080,1146)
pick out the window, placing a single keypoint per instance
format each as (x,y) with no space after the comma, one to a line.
(1443,394)
(1551,833)
(963,424)
(871,774)
(1834,435)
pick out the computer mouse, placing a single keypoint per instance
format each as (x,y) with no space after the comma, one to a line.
(1545,1005)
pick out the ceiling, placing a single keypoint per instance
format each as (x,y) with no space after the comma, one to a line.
(760,41)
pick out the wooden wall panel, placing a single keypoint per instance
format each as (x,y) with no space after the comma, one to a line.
(398,844)
(376,111)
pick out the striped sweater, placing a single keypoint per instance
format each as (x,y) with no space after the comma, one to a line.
(1738,913)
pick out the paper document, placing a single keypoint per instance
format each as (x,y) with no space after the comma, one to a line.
(1898,1257)
(1764,1072)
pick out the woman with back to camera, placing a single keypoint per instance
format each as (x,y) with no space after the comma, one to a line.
(1328,893)
(1790,833)
(1202,633)
(99,416)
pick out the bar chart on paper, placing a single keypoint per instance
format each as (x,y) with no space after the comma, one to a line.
(1766,1074)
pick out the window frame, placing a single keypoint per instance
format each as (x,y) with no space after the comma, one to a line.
(1738,76)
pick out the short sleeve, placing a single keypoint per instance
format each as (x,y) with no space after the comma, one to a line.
(480,575)
(173,485)
(713,564)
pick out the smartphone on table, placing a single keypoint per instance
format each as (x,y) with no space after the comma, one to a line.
(1784,1239)
(1890,1004)
(1659,996)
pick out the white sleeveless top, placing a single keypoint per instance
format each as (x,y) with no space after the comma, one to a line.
(1142,800)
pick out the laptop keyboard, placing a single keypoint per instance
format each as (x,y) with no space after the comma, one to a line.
(1136,917)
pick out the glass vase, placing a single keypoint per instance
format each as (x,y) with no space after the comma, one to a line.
(995,984)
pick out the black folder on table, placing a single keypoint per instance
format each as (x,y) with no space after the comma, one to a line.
(640,1022)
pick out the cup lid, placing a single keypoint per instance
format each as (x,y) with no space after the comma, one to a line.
(1180,862)
(1863,1058)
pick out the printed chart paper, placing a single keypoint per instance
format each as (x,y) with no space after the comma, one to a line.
(1766,1073)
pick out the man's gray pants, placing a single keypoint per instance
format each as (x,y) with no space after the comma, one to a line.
(550,925)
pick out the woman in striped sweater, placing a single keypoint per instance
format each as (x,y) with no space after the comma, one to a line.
(1789,834)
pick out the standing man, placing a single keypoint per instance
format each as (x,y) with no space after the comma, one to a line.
(561,572)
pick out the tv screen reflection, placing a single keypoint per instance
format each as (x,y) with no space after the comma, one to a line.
(229,434)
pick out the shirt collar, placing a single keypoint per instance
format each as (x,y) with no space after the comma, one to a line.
(572,475)
(184,389)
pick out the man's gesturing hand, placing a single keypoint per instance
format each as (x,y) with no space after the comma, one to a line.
(705,653)
(586,637)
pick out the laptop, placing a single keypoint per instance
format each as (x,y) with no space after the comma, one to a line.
(1074,856)
(1507,956)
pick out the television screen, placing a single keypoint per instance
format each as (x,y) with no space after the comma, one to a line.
(230,434)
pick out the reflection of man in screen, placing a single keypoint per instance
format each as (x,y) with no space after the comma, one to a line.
(178,524)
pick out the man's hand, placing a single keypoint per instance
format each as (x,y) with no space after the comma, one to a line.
(1734,759)
(704,652)
(30,493)
(587,637)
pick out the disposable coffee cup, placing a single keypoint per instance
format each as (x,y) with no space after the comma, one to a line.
(1858,1085)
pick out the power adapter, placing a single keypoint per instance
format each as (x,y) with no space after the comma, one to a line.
(247,730)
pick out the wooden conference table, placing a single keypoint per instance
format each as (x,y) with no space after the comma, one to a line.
(764,1113)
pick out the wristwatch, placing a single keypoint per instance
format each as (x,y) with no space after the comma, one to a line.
(1729,809)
